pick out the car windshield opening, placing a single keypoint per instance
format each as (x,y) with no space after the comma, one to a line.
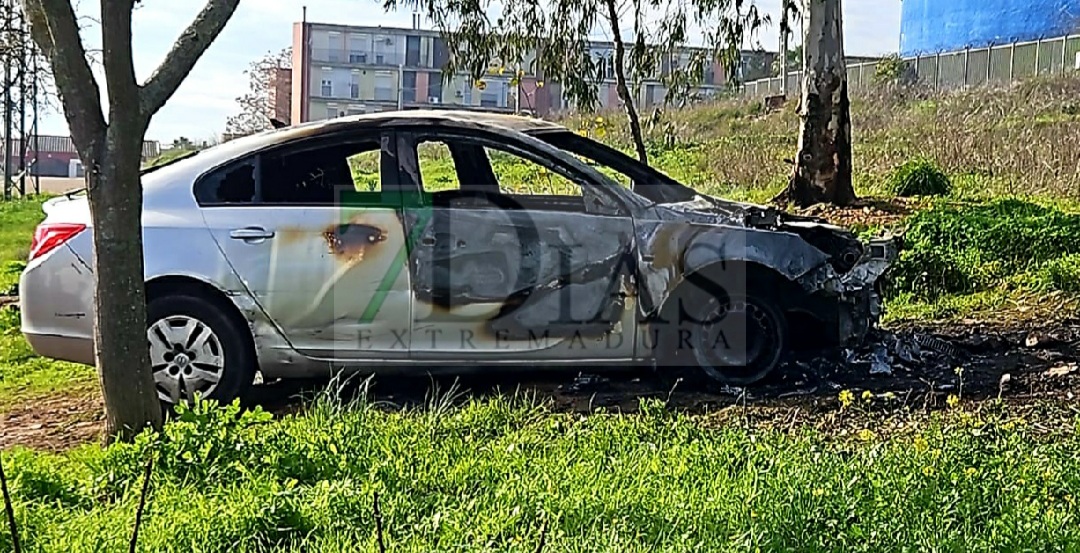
(647,182)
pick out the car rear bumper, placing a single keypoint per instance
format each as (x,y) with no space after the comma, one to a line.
(56,299)
(64,348)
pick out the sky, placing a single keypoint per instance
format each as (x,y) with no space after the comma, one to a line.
(200,106)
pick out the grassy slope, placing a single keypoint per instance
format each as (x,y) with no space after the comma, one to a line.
(488,477)
(24,375)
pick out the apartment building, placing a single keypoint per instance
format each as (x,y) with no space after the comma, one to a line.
(340,70)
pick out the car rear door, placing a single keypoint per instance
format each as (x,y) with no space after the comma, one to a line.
(313,230)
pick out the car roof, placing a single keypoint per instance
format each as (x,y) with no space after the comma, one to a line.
(497,122)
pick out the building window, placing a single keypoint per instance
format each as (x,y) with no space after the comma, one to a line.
(384,86)
(331,112)
(327,88)
(357,57)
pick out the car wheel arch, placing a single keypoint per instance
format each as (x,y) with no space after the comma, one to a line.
(185,285)
(761,275)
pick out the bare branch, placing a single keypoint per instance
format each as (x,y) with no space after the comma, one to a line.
(10,512)
(142,503)
(191,45)
(56,31)
(378,525)
(116,45)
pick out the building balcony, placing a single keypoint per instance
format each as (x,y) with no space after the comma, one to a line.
(356,57)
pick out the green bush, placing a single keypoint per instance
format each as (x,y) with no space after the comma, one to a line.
(977,247)
(1061,274)
(889,69)
(919,177)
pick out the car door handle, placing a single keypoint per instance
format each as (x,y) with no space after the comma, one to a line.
(251,233)
(428,241)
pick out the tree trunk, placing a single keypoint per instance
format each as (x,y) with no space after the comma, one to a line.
(823,164)
(121,353)
(622,87)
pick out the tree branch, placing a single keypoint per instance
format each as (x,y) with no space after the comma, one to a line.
(191,45)
(56,31)
(116,45)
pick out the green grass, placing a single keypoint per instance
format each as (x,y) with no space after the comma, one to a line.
(17,221)
(24,375)
(488,476)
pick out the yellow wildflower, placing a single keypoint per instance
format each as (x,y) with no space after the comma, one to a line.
(539,84)
(928,471)
(952,400)
(889,396)
(818,492)
(866,434)
(846,397)
(920,444)
(599,120)
(971,471)
(867,396)
(600,132)
(959,371)
(481,85)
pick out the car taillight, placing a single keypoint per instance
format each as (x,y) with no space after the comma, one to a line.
(48,236)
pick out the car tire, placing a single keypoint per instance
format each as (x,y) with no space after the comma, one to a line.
(743,339)
(195,347)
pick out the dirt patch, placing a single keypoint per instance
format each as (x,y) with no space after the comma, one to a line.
(866,212)
(54,423)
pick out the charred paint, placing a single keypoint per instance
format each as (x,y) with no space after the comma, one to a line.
(350,242)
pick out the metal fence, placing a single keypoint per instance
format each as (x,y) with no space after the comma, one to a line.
(969,67)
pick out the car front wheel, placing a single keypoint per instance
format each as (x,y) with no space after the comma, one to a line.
(734,339)
(195,349)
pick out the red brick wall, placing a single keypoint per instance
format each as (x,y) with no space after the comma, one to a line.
(281,94)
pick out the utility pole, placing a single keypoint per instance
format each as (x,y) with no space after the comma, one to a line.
(19,112)
(784,38)
(8,48)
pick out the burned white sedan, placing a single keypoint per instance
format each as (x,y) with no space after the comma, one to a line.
(438,239)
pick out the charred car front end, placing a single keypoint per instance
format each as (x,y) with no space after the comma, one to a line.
(836,278)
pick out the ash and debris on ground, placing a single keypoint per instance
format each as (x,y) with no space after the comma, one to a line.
(975,362)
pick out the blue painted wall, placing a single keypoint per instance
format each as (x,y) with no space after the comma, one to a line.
(929,26)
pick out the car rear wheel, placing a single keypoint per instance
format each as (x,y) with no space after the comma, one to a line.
(195,349)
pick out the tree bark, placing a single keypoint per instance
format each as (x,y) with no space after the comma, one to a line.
(823,164)
(622,87)
(112,153)
(121,353)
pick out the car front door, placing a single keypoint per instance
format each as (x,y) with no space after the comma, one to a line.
(314,232)
(516,253)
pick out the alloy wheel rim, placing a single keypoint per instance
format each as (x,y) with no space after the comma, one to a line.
(186,357)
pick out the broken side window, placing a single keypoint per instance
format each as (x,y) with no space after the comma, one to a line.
(437,169)
(318,175)
(231,185)
(518,176)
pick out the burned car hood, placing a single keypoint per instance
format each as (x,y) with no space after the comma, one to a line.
(842,247)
